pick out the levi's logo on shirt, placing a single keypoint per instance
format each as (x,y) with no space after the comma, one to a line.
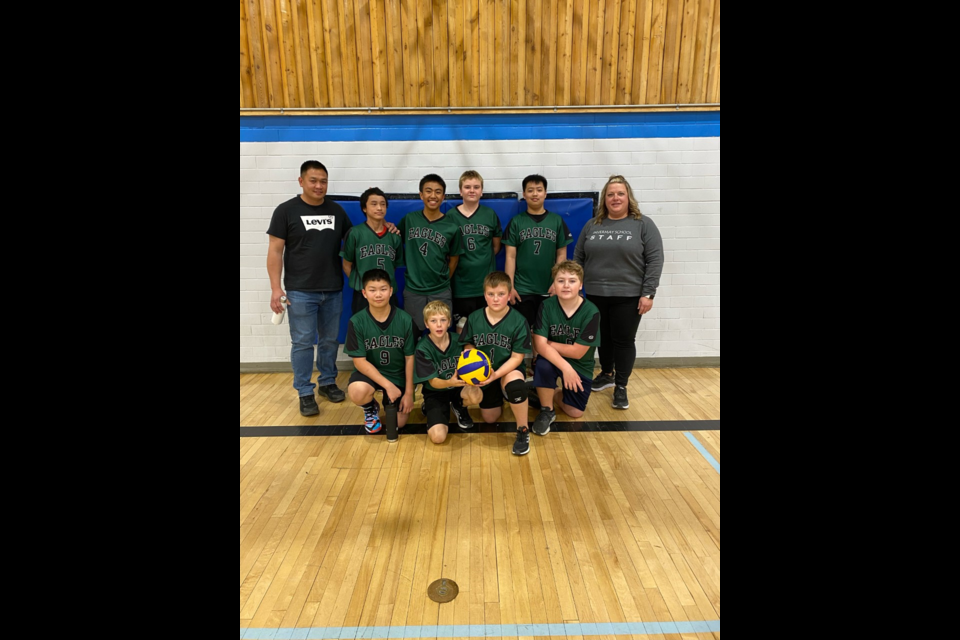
(319,223)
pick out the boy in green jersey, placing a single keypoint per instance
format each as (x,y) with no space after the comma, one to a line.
(536,241)
(504,336)
(380,341)
(482,241)
(567,334)
(436,370)
(371,246)
(432,250)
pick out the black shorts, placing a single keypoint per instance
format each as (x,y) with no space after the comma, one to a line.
(436,406)
(463,307)
(359,377)
(493,397)
(530,307)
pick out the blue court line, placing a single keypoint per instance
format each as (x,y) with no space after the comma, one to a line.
(484,631)
(706,454)
(480,127)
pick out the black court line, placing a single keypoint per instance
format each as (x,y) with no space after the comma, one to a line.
(503,427)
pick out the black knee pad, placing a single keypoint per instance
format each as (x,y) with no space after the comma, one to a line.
(517,392)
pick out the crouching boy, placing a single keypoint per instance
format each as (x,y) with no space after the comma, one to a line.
(436,369)
(502,333)
(567,334)
(380,341)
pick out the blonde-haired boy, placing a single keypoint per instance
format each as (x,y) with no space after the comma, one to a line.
(436,370)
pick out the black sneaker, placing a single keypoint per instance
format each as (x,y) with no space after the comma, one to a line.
(544,421)
(464,419)
(332,393)
(603,382)
(620,399)
(308,407)
(522,447)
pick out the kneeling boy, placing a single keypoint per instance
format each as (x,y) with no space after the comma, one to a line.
(502,333)
(436,369)
(380,341)
(567,334)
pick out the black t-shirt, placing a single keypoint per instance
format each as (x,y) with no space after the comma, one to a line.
(314,236)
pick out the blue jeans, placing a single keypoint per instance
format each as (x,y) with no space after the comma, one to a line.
(314,321)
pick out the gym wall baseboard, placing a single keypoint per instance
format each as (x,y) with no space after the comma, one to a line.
(641,363)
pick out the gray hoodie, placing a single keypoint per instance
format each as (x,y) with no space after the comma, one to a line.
(622,258)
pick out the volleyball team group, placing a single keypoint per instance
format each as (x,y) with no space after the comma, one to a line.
(455,301)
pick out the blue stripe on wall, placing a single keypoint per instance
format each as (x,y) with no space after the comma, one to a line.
(484,631)
(480,127)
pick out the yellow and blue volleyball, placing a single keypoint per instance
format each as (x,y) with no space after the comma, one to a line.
(474,367)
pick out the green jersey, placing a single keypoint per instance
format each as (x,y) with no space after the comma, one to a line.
(368,251)
(428,247)
(478,260)
(385,345)
(501,340)
(537,239)
(432,363)
(583,327)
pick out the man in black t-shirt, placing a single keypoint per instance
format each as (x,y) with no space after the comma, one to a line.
(306,236)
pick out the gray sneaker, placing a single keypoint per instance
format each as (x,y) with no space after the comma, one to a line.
(603,382)
(620,399)
(544,421)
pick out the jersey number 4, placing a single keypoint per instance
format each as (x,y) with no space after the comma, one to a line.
(424,249)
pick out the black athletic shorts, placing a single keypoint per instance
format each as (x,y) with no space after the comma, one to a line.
(359,377)
(530,308)
(463,307)
(493,397)
(436,406)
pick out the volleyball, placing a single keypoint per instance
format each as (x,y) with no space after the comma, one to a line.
(474,367)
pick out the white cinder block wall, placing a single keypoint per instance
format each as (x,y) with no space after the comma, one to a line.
(677,181)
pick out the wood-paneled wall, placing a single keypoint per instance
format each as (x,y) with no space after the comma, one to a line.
(478,53)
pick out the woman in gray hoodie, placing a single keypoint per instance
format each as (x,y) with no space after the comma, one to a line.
(622,254)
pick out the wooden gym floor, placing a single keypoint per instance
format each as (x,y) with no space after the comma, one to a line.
(611,531)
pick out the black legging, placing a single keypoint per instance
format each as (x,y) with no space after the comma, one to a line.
(619,323)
